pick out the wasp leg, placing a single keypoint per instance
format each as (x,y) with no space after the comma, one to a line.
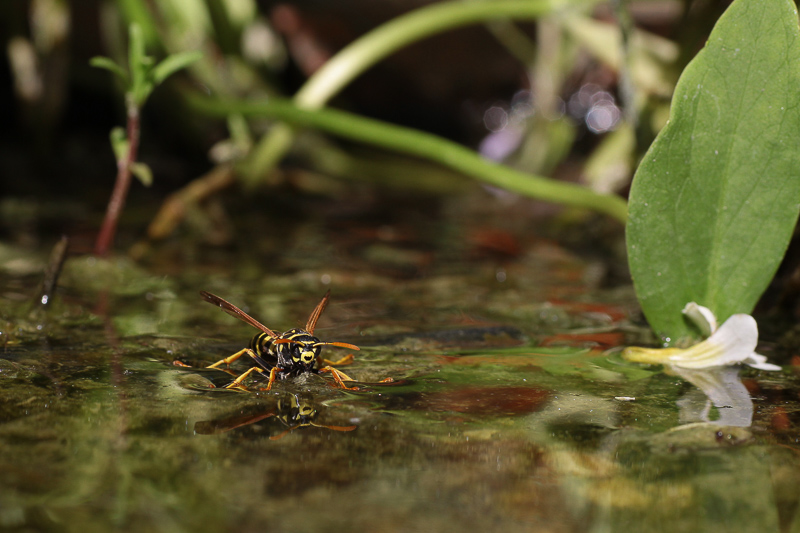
(339,376)
(346,360)
(237,383)
(272,374)
(230,359)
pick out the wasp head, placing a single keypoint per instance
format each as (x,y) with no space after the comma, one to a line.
(298,411)
(298,350)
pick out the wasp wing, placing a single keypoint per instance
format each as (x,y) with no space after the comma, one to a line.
(214,427)
(236,312)
(315,314)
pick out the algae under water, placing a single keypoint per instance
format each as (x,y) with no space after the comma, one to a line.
(511,409)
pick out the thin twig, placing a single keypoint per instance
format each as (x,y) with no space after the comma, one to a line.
(117,201)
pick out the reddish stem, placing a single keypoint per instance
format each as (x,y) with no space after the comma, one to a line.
(117,201)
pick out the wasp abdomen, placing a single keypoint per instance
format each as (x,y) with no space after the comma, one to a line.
(262,345)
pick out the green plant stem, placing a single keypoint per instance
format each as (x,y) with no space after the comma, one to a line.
(380,43)
(123,182)
(383,41)
(426,145)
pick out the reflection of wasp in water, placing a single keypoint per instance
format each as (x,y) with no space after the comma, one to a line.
(298,412)
(293,352)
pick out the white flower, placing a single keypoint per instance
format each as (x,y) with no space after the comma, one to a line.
(722,388)
(733,343)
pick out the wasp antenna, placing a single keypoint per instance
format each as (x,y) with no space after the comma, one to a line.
(283,433)
(338,344)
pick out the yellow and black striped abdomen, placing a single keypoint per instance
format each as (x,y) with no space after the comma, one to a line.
(263,347)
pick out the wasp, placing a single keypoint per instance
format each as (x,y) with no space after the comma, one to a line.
(298,412)
(291,353)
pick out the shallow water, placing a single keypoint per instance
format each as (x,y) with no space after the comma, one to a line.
(510,408)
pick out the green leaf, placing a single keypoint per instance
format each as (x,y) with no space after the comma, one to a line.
(140,66)
(136,53)
(143,172)
(172,64)
(108,64)
(715,200)
(119,143)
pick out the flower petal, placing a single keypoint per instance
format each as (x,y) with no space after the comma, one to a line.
(702,317)
(760,361)
(734,342)
(723,387)
(650,356)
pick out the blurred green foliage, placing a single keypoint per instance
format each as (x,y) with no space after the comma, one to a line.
(563,91)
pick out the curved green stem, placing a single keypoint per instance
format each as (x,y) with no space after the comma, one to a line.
(426,145)
(381,42)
